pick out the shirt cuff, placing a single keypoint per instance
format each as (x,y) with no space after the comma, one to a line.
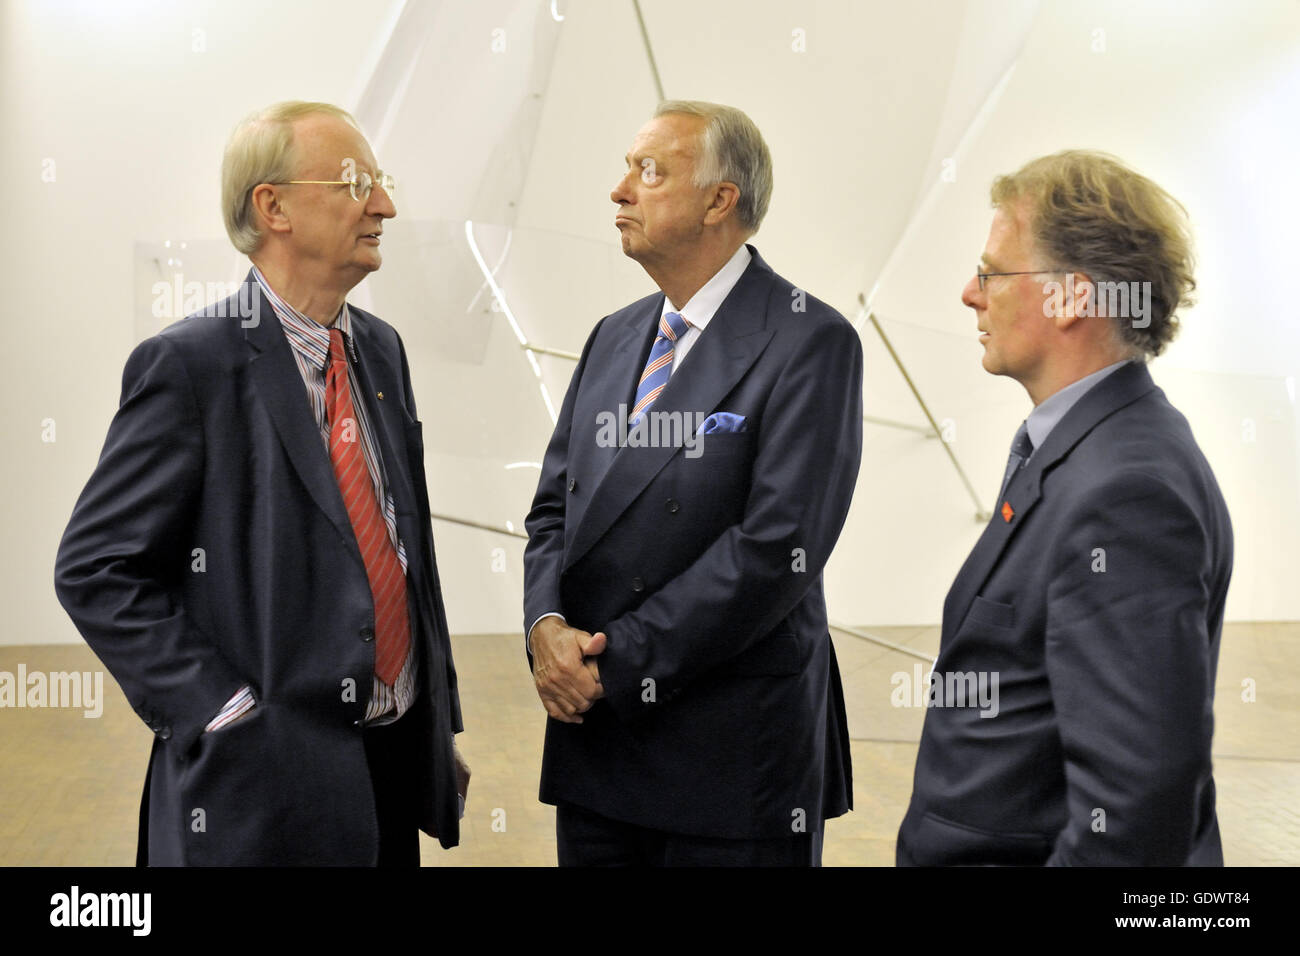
(235,708)
(528,638)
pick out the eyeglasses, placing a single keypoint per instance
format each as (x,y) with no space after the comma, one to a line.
(360,187)
(988,275)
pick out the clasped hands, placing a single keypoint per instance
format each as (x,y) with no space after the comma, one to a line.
(564,668)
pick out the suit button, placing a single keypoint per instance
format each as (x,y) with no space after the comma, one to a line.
(672,506)
(367,634)
(165,733)
(573,485)
(638,584)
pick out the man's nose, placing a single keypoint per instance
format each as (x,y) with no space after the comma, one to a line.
(380,203)
(620,193)
(970,294)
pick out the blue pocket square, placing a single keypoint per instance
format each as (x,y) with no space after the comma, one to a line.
(722,422)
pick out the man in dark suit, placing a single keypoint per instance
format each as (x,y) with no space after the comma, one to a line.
(673,594)
(252,558)
(1087,619)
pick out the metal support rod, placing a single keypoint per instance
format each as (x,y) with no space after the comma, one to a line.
(558,353)
(650,54)
(496,529)
(863,635)
(907,426)
(980,514)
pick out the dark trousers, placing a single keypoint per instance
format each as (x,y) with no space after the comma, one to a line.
(584,838)
(390,752)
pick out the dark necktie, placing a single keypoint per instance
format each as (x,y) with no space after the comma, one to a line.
(383,569)
(1021,449)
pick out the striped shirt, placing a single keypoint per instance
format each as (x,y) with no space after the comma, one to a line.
(310,344)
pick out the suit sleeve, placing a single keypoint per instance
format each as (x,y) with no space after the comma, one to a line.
(544,553)
(125,552)
(1128,657)
(755,573)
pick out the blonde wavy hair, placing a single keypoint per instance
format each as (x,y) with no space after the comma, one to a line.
(260,150)
(1091,213)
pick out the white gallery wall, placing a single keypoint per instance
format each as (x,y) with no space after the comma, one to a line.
(886,122)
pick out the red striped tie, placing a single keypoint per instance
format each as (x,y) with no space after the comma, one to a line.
(387,582)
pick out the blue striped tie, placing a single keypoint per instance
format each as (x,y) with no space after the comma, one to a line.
(671,328)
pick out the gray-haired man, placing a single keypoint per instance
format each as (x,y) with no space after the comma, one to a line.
(253,558)
(673,594)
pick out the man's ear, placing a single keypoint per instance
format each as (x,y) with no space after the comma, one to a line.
(1079,302)
(270,211)
(722,204)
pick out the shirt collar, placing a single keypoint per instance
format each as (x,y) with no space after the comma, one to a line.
(701,308)
(306,336)
(1048,413)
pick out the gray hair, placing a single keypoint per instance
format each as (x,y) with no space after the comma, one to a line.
(731,150)
(261,151)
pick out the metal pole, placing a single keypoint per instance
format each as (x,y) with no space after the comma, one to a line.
(863,635)
(558,353)
(650,54)
(907,426)
(495,529)
(980,514)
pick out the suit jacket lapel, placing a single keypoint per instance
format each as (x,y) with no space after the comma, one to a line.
(611,385)
(1122,387)
(274,372)
(724,352)
(390,425)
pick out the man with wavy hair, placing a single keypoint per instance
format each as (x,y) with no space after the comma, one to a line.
(1093,602)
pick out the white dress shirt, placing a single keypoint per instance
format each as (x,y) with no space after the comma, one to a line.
(701,308)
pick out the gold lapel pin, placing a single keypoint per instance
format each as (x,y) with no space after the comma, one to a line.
(381,395)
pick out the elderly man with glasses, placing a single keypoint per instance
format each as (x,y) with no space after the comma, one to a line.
(252,557)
